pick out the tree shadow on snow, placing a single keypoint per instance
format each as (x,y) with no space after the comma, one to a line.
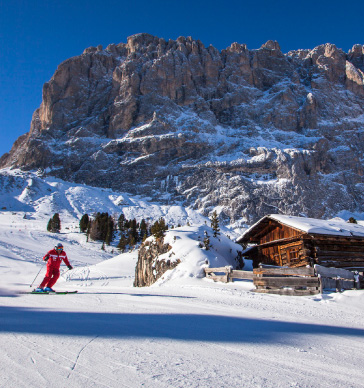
(185,327)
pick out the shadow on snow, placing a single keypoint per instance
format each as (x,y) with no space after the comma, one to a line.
(185,327)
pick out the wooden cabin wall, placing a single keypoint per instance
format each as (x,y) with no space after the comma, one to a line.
(278,232)
(339,252)
(293,254)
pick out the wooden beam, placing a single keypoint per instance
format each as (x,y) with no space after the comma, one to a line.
(280,241)
(288,292)
(286,282)
(301,271)
(330,237)
(340,253)
(242,274)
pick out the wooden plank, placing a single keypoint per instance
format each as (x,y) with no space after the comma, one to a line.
(219,278)
(286,281)
(333,272)
(341,264)
(339,254)
(221,269)
(337,249)
(341,259)
(300,271)
(331,237)
(242,274)
(301,263)
(288,292)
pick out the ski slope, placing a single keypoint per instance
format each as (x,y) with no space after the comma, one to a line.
(184,331)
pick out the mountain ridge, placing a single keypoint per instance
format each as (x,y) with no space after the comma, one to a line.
(247,132)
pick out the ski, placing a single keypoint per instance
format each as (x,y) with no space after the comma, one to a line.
(55,293)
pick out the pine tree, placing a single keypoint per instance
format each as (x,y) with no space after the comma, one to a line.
(84,223)
(134,232)
(100,226)
(122,243)
(49,225)
(54,224)
(131,241)
(158,228)
(121,222)
(108,237)
(215,223)
(143,230)
(109,230)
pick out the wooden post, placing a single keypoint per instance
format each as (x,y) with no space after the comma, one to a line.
(321,284)
(228,273)
(338,284)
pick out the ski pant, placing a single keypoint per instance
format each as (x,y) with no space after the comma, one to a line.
(50,278)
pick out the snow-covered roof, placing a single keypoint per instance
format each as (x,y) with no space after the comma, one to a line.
(335,227)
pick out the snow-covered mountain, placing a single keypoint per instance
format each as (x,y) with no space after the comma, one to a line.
(246,132)
(29,193)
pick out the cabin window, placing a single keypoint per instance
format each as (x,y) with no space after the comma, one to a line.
(293,254)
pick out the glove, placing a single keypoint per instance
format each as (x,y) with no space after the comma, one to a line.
(70,267)
(45,258)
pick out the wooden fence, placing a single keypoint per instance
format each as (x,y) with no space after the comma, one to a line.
(227,274)
(288,281)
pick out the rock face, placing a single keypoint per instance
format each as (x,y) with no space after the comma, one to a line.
(250,131)
(149,269)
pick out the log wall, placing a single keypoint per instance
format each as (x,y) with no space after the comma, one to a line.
(339,252)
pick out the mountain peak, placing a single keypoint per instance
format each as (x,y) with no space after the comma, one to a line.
(239,130)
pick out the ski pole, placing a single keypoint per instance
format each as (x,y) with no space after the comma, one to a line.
(36,276)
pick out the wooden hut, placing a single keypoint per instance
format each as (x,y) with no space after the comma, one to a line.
(297,241)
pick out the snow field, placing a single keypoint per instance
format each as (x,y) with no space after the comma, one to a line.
(184,331)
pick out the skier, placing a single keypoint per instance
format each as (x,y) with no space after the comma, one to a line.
(54,259)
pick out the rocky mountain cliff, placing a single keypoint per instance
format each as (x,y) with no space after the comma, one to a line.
(248,131)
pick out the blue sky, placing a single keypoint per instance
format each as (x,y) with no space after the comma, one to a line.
(37,35)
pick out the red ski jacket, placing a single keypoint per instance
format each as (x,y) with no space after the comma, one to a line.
(54,259)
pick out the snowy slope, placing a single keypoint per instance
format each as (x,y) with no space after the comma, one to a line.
(28,193)
(184,331)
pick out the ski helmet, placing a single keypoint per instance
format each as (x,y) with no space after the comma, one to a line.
(59,246)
